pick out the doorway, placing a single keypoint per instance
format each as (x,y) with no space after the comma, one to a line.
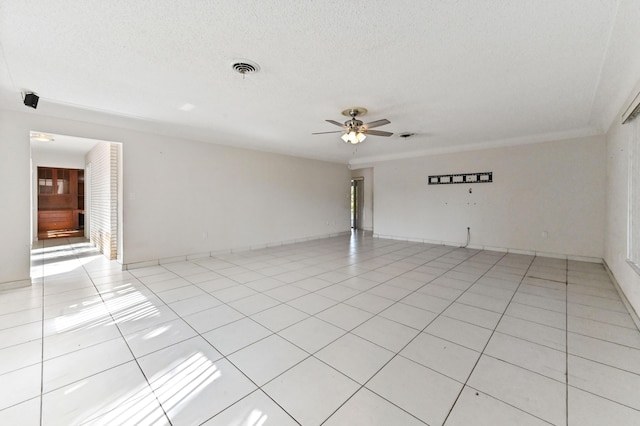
(93,186)
(357,203)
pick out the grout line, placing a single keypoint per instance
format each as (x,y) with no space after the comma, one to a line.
(411,340)
(42,340)
(135,359)
(566,346)
(488,340)
(365,256)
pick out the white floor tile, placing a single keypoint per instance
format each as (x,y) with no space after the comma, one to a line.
(408,315)
(344,316)
(69,341)
(311,334)
(253,304)
(25,384)
(253,410)
(178,294)
(531,356)
(192,383)
(236,292)
(533,332)
(312,303)
(420,391)
(539,315)
(268,358)
(622,319)
(20,334)
(605,381)
(20,356)
(116,396)
(159,336)
(279,317)
(600,330)
(372,286)
(369,302)
(300,390)
(366,408)
(355,357)
(479,409)
(286,293)
(338,292)
(587,409)
(26,413)
(612,354)
(386,333)
(460,332)
(236,335)
(23,317)
(194,304)
(209,319)
(74,366)
(473,315)
(447,358)
(521,388)
(426,302)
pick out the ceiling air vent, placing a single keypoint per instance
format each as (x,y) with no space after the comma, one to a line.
(245,67)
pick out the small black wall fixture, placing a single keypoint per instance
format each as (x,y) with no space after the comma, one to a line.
(31,100)
(482,177)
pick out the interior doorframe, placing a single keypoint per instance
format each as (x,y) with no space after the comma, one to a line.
(357,200)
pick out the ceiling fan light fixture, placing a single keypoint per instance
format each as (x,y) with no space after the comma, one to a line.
(353,137)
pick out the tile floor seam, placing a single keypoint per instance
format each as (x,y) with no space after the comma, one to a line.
(226,357)
(403,347)
(42,341)
(604,363)
(604,397)
(487,342)
(604,340)
(510,405)
(135,359)
(395,259)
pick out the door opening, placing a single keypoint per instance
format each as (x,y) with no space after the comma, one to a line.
(357,203)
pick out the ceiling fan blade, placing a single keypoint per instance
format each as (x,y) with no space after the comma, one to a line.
(335,122)
(322,133)
(377,123)
(378,133)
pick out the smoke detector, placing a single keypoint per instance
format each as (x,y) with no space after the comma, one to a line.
(243,66)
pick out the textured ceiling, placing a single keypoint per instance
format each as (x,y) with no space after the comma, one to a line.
(456,73)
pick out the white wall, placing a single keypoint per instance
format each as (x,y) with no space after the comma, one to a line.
(367,175)
(556,187)
(619,140)
(176,191)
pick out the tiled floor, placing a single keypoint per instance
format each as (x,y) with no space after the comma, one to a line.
(340,331)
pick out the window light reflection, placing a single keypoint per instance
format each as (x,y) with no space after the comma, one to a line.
(174,385)
(128,306)
(190,377)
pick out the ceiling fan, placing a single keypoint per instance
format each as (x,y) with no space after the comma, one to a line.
(354,130)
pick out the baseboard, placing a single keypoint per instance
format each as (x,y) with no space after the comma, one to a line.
(10,285)
(201,255)
(492,248)
(632,312)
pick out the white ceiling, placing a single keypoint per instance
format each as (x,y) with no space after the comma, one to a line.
(458,74)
